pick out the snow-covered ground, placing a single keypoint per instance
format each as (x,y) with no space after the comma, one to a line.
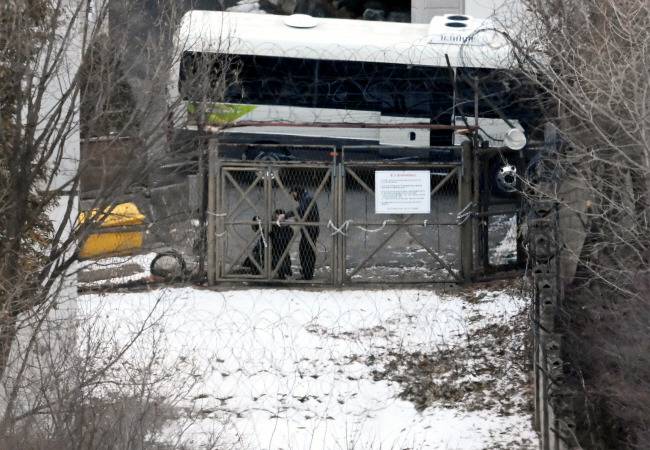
(506,250)
(364,369)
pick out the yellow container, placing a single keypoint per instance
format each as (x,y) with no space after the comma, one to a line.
(121,232)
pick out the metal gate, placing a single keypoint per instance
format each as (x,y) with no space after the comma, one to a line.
(339,230)
(400,248)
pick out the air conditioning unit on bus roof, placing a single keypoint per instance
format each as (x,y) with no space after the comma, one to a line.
(457,29)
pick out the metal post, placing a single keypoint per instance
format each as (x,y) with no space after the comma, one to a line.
(340,218)
(482,191)
(476,197)
(521,250)
(219,202)
(464,205)
(335,217)
(543,400)
(266,226)
(203,212)
(213,149)
(482,199)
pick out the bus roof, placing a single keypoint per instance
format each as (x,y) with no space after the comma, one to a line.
(467,42)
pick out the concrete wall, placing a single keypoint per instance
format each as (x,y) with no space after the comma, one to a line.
(423,10)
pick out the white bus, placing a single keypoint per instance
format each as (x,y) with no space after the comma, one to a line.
(303,69)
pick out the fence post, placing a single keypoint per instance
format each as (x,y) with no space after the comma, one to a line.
(266,220)
(340,218)
(465,207)
(213,184)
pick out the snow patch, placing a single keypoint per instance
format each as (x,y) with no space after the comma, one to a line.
(506,251)
(286,369)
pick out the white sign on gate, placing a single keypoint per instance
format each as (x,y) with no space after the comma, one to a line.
(402,192)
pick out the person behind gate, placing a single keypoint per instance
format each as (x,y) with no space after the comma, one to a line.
(280,236)
(255,260)
(306,212)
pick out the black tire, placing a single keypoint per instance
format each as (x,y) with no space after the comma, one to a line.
(269,154)
(276,155)
(181,272)
(498,188)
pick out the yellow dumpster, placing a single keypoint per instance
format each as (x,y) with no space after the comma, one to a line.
(120,233)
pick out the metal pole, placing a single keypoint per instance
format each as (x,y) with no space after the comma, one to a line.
(464,202)
(481,202)
(482,191)
(521,250)
(335,217)
(212,210)
(203,212)
(340,239)
(220,193)
(266,226)
(476,194)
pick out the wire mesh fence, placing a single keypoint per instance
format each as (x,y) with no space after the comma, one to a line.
(317,222)
(381,247)
(308,214)
(269,219)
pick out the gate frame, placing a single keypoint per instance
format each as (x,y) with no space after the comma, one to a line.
(216,227)
(464,169)
(347,167)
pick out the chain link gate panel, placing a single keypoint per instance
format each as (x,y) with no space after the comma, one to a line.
(400,248)
(249,239)
(333,234)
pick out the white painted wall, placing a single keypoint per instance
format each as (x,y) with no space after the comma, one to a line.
(63,78)
(423,10)
(502,10)
(483,8)
(52,326)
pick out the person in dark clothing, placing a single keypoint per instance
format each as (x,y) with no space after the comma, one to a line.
(304,214)
(280,237)
(258,251)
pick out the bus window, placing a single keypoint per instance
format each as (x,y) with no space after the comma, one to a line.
(271,80)
(341,85)
(392,89)
(205,76)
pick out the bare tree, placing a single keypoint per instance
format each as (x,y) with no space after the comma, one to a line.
(593,59)
(64,72)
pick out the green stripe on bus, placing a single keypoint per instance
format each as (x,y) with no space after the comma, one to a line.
(217,114)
